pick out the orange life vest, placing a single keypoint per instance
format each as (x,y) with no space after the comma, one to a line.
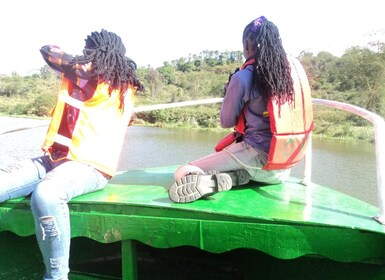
(100,127)
(291,125)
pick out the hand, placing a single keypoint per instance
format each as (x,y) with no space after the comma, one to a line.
(227,83)
(235,71)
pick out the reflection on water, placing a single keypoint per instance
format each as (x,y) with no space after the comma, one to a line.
(151,146)
(349,168)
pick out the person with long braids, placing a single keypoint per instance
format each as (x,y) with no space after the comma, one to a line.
(268,102)
(83,142)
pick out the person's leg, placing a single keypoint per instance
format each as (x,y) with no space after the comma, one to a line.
(51,213)
(238,156)
(20,178)
(250,163)
(213,173)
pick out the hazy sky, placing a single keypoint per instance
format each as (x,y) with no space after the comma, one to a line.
(155,31)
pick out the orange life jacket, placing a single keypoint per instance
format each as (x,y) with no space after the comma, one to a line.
(100,127)
(291,125)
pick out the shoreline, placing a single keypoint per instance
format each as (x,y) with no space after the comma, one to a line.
(10,124)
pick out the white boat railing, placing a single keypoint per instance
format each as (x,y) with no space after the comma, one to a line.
(379,136)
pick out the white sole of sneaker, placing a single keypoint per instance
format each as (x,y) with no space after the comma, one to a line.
(192,187)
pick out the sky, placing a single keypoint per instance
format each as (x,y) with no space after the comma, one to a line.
(155,31)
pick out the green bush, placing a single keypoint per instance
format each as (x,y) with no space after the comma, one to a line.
(195,117)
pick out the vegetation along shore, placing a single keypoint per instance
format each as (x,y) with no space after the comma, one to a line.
(357,77)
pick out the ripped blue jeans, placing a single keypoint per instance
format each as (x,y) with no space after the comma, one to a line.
(52,185)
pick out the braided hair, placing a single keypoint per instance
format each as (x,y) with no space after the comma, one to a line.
(106,51)
(271,66)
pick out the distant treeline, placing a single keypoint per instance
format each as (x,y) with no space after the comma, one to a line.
(357,77)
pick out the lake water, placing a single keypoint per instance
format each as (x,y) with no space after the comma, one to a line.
(346,167)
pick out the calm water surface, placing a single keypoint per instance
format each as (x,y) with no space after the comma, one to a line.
(349,168)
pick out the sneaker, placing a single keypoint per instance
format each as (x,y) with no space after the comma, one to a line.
(194,186)
(238,177)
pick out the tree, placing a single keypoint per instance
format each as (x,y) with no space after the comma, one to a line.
(320,69)
(46,72)
(363,70)
(183,65)
(13,86)
(154,81)
(167,72)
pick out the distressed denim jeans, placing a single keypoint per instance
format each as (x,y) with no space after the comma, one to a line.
(52,185)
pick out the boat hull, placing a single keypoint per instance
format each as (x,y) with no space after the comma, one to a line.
(132,229)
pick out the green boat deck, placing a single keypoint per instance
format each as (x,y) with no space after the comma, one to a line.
(132,228)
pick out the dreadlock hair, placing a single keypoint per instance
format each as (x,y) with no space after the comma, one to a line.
(106,51)
(271,66)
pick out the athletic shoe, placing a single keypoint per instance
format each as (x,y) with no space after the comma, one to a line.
(195,186)
(238,177)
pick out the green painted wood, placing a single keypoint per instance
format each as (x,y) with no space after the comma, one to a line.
(183,263)
(285,221)
(129,260)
